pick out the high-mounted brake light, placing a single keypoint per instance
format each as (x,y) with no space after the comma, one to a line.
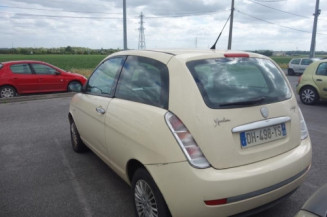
(185,140)
(231,55)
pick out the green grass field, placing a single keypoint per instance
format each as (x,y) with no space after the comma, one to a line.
(85,64)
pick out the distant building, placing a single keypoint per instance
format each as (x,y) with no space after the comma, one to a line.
(279,53)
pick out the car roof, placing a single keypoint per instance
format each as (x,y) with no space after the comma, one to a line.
(315,58)
(316,63)
(22,61)
(186,55)
(322,61)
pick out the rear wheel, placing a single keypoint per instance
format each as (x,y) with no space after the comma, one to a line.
(74,86)
(77,143)
(148,200)
(309,95)
(7,92)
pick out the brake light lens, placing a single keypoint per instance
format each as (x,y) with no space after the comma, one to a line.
(233,55)
(186,141)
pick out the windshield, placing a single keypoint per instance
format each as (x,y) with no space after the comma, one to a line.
(238,82)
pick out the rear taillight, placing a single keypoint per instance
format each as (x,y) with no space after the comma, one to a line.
(186,141)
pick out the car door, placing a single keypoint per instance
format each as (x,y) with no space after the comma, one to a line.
(92,104)
(23,78)
(48,78)
(140,102)
(295,64)
(320,79)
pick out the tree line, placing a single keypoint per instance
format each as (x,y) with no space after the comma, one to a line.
(288,53)
(83,50)
(60,50)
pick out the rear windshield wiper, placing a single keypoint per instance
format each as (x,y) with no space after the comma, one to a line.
(247,102)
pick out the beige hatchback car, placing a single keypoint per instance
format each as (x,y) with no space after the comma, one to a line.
(195,133)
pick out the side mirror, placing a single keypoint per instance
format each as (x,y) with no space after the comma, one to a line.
(57,73)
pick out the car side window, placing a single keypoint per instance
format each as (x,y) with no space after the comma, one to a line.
(306,62)
(144,80)
(41,69)
(296,61)
(103,79)
(21,69)
(322,69)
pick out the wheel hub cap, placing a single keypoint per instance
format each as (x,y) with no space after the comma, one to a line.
(308,96)
(145,201)
(6,93)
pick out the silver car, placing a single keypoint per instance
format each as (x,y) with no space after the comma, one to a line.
(298,65)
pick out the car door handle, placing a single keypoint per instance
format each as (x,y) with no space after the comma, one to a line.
(319,80)
(100,110)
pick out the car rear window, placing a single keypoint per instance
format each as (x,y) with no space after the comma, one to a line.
(306,62)
(238,82)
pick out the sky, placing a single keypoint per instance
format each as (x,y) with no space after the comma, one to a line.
(278,25)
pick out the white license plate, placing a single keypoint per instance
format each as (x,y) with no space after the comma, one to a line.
(262,135)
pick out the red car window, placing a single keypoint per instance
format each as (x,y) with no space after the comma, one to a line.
(43,69)
(21,69)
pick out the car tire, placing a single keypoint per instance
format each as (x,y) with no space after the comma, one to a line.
(74,86)
(290,72)
(77,143)
(7,92)
(148,200)
(308,95)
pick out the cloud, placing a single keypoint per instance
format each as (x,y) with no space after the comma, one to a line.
(278,25)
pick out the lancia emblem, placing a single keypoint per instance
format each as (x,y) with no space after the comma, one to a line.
(264,112)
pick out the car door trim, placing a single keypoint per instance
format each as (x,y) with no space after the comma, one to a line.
(261,124)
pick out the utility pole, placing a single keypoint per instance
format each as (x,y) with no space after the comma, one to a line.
(314,30)
(231,27)
(125,25)
(141,34)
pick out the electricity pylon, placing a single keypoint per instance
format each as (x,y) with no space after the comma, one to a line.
(141,34)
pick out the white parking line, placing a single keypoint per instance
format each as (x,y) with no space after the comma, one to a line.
(76,186)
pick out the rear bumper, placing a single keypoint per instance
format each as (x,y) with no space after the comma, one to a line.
(247,187)
(264,207)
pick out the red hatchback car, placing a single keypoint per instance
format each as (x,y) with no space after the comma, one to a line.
(22,77)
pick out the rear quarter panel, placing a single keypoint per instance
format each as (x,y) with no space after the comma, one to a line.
(307,77)
(138,131)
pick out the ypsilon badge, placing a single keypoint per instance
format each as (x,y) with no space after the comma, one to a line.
(264,112)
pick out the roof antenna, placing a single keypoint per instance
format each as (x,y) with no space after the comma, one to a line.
(213,47)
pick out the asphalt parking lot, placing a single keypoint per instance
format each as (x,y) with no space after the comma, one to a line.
(41,176)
